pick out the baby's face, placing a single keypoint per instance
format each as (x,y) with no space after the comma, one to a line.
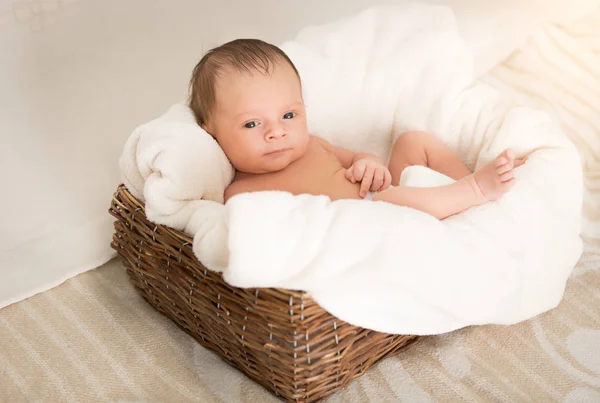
(259,120)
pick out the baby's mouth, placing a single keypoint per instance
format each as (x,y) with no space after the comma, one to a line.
(281,150)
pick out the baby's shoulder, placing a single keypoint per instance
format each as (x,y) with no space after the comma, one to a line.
(241,185)
(321,143)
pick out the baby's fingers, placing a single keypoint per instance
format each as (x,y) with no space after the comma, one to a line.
(378,179)
(349,174)
(387,180)
(360,169)
(367,180)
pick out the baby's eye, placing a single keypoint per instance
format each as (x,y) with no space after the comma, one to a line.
(250,125)
(289,115)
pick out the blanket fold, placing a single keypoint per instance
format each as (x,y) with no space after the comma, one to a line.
(181,174)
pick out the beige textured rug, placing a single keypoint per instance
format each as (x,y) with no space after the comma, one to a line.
(94,339)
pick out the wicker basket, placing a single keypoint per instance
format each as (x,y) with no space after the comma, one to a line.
(280,338)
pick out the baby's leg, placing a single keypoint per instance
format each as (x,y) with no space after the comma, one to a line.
(420,148)
(488,183)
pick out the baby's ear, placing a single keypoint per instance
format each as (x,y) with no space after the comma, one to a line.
(205,128)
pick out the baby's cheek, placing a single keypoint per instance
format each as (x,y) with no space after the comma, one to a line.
(253,151)
(248,153)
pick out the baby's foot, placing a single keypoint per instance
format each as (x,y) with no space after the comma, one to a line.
(519,162)
(496,177)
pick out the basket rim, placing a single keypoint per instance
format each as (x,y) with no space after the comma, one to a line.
(124,192)
(140,206)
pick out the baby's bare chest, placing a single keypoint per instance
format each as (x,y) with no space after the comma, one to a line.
(317,172)
(314,170)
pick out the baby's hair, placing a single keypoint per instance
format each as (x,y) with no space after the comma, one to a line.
(245,55)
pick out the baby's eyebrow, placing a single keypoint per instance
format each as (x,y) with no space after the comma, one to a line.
(240,115)
(294,105)
(257,112)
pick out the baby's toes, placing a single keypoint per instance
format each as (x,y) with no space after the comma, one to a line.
(510,154)
(504,168)
(519,162)
(506,186)
(507,157)
(500,161)
(506,176)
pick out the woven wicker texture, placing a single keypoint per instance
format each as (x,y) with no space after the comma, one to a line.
(280,338)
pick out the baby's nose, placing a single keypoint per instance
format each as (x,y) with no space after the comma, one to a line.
(275,132)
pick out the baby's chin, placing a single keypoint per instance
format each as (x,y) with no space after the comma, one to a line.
(280,160)
(276,167)
(273,166)
(270,163)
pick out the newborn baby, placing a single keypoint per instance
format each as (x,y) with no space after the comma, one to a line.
(247,94)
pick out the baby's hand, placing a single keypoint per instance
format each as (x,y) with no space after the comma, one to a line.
(373,175)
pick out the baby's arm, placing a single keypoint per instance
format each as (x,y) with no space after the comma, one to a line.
(367,169)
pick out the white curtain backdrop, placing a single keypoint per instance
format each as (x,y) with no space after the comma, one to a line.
(77,76)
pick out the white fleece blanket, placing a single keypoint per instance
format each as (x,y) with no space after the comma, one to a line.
(367,79)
